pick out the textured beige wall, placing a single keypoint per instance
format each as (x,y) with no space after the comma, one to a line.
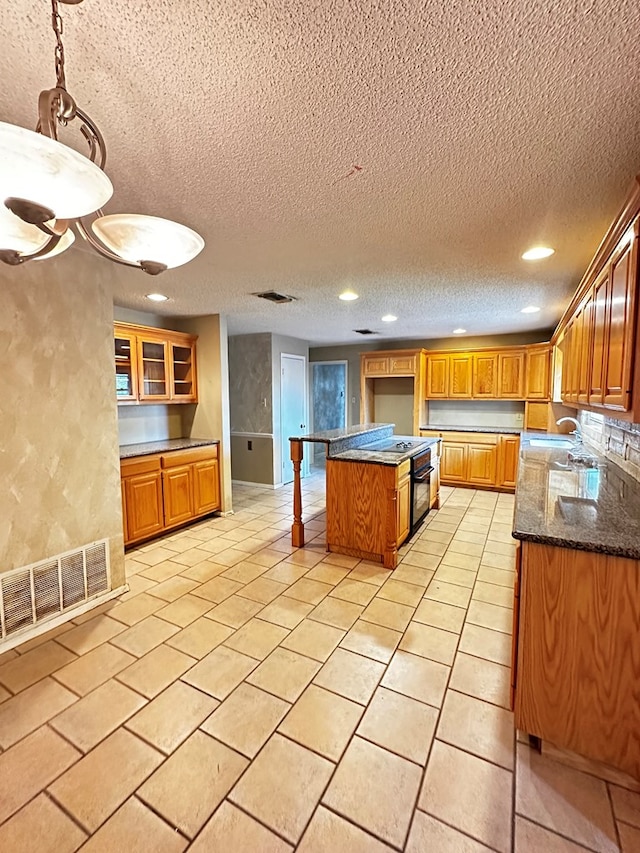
(255,465)
(210,418)
(59,464)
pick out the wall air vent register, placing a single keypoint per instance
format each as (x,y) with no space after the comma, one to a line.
(39,592)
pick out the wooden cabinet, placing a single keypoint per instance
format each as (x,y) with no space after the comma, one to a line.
(206,486)
(403,507)
(508,453)
(499,374)
(177,487)
(599,333)
(162,491)
(485,375)
(392,374)
(390,364)
(453,462)
(154,365)
(126,357)
(511,374)
(460,375)
(485,460)
(437,377)
(374,525)
(141,486)
(620,328)
(482,464)
(576,666)
(538,373)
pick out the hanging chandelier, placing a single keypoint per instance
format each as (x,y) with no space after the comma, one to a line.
(48,191)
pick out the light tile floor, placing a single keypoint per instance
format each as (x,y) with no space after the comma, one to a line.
(248,696)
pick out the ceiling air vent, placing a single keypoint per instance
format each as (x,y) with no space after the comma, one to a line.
(273,296)
(365,332)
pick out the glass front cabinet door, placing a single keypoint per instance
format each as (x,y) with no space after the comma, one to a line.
(126,373)
(153,370)
(183,374)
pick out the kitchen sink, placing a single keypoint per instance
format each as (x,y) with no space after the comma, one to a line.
(559,443)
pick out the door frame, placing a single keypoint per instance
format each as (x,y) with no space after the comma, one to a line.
(285,451)
(346,389)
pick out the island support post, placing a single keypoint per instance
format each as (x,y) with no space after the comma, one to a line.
(297,528)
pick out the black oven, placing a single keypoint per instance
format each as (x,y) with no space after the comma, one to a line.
(421,469)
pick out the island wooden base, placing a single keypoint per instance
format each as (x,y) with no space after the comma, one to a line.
(368,509)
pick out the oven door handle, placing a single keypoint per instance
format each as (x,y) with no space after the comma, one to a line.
(422,476)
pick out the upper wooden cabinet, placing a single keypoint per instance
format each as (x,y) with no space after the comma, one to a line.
(499,374)
(485,375)
(598,334)
(401,363)
(538,372)
(511,367)
(154,365)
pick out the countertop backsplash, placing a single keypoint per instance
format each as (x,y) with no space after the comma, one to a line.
(618,440)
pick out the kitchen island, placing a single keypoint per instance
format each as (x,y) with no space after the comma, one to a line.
(335,441)
(576,630)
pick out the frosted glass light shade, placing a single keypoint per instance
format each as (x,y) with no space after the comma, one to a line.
(41,170)
(135,237)
(27,239)
(62,245)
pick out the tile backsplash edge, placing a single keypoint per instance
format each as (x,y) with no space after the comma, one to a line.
(618,440)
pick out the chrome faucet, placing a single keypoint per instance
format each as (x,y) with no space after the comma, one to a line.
(578,430)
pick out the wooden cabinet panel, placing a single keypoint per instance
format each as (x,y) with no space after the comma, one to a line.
(402,365)
(536,416)
(508,453)
(578,656)
(437,376)
(153,370)
(143,505)
(599,314)
(206,487)
(453,462)
(515,627)
(537,374)
(460,375)
(485,375)
(177,486)
(403,509)
(621,330)
(511,375)
(183,371)
(584,363)
(126,365)
(373,365)
(482,464)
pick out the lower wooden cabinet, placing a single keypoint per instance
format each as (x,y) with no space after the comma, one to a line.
(576,665)
(368,509)
(483,460)
(142,497)
(177,487)
(161,491)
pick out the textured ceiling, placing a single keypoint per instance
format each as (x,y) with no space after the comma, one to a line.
(479,129)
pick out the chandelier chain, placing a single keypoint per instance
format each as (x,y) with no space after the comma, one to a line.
(58,29)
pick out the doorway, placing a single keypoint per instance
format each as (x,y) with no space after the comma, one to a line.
(328,400)
(293,407)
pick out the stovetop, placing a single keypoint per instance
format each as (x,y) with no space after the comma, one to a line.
(396,444)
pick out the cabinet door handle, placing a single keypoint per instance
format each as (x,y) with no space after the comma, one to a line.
(303,426)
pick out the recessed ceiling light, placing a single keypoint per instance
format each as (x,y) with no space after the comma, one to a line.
(537,253)
(389,318)
(348,296)
(459,331)
(157,297)
(530,309)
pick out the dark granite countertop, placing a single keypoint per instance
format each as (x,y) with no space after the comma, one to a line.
(378,458)
(146,448)
(338,440)
(589,509)
(488,429)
